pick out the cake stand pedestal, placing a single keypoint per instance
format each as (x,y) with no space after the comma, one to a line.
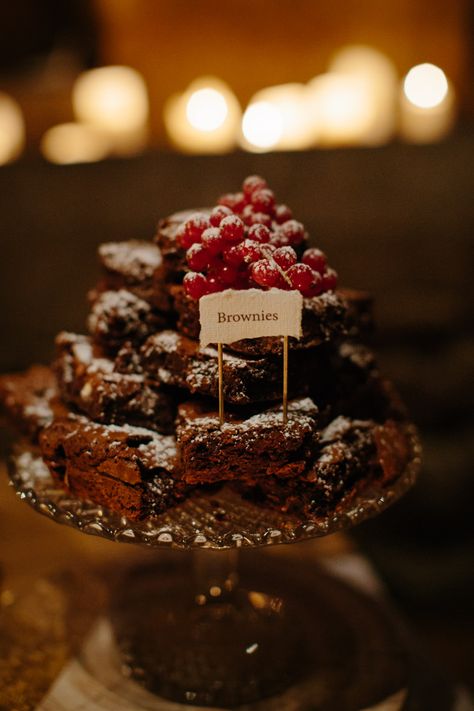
(265,632)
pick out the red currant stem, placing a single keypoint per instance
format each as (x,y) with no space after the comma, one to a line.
(269,256)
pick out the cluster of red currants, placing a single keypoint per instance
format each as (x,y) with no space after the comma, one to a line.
(249,241)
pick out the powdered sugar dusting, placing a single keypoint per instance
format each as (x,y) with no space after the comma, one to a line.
(340,426)
(160,452)
(167,341)
(120,309)
(302,414)
(40,411)
(133,259)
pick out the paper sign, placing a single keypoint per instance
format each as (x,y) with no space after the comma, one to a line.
(232,315)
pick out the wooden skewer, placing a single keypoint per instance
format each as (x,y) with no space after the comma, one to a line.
(285,379)
(221,384)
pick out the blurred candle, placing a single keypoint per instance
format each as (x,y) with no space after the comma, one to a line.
(74,143)
(290,131)
(341,108)
(262,127)
(377,72)
(114,100)
(206,109)
(12,129)
(427,105)
(204,119)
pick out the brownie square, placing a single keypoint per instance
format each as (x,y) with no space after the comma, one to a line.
(132,261)
(258,445)
(89,381)
(120,316)
(134,265)
(349,451)
(128,469)
(29,400)
(173,359)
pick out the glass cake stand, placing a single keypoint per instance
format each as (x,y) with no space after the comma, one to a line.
(267,632)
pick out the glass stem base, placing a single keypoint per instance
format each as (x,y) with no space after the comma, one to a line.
(199,636)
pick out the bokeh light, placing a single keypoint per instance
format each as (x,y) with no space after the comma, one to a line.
(12,129)
(289,100)
(341,107)
(262,126)
(203,119)
(111,98)
(425,86)
(206,109)
(69,143)
(379,75)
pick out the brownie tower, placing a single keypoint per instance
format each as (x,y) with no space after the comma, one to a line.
(127,415)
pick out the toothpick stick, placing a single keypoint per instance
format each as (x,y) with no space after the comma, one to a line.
(285,379)
(221,384)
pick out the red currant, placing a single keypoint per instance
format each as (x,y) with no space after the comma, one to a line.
(218,213)
(213,284)
(212,240)
(283,214)
(278,239)
(259,233)
(195,226)
(285,257)
(235,201)
(284,284)
(263,201)
(292,231)
(260,218)
(252,183)
(329,280)
(232,229)
(301,276)
(233,255)
(250,250)
(315,258)
(227,274)
(182,239)
(197,257)
(264,273)
(195,285)
(267,249)
(214,266)
(317,287)
(247,214)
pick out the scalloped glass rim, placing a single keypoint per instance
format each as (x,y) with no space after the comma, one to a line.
(221,520)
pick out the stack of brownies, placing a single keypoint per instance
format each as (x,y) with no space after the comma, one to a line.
(127,415)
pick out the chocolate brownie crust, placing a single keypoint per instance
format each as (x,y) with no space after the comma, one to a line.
(119,316)
(245,447)
(176,360)
(103,461)
(91,382)
(134,265)
(134,261)
(29,400)
(350,451)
